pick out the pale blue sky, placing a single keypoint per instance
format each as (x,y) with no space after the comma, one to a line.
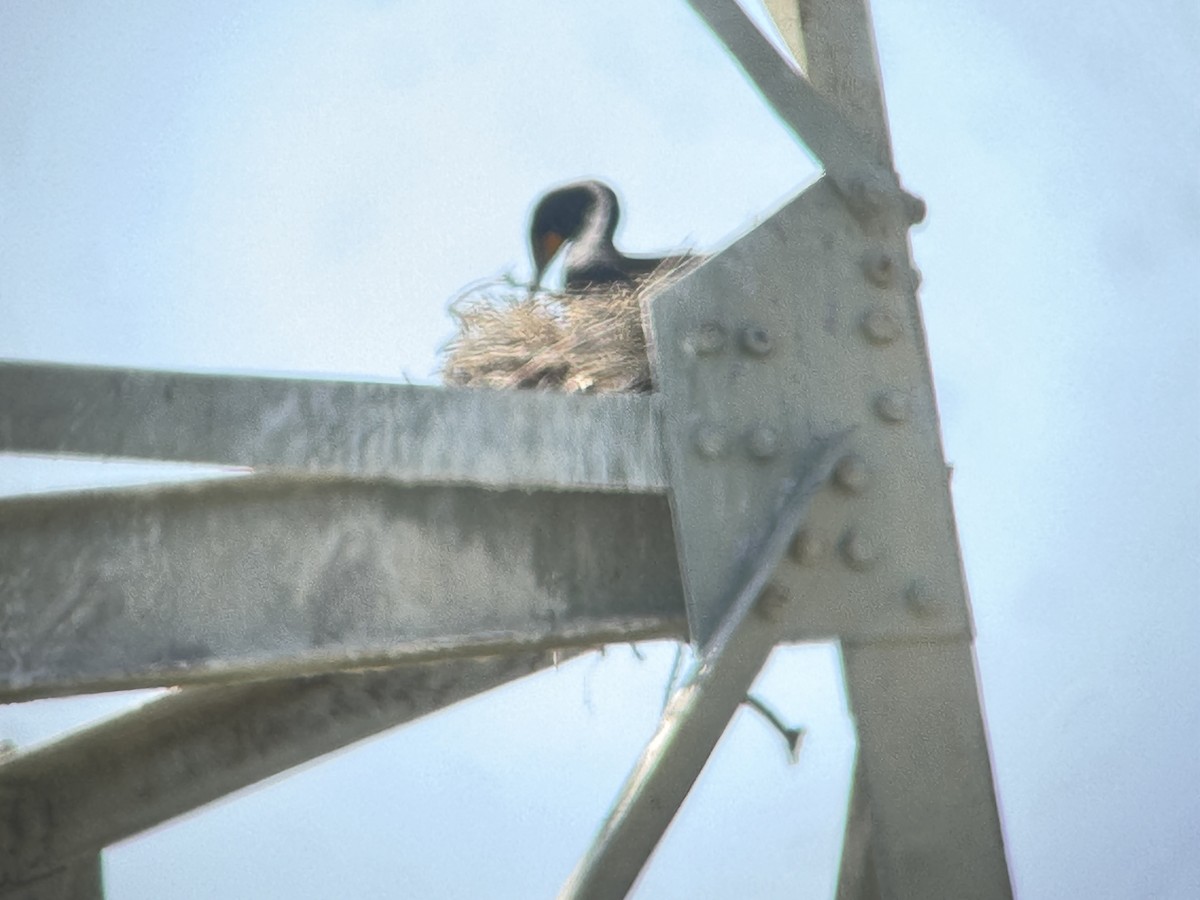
(300,187)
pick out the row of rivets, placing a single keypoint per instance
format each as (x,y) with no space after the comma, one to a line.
(881,327)
(712,442)
(857,549)
(710,339)
(859,552)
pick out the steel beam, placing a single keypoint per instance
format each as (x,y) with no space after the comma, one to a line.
(68,800)
(81,880)
(269,577)
(842,149)
(813,345)
(856,874)
(922,744)
(418,435)
(841,62)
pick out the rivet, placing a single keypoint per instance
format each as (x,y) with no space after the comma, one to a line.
(771,602)
(880,326)
(914,208)
(707,340)
(879,267)
(763,442)
(710,441)
(807,547)
(858,550)
(919,600)
(756,340)
(852,474)
(892,406)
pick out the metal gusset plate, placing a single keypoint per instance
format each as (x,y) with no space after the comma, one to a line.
(806,327)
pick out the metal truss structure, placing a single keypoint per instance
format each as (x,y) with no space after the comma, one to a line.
(398,548)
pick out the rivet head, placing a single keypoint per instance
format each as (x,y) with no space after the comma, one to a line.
(879,267)
(893,406)
(858,550)
(756,340)
(762,442)
(771,603)
(707,340)
(852,474)
(807,547)
(880,326)
(914,208)
(919,599)
(710,441)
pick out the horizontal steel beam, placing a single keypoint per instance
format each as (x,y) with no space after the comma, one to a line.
(274,576)
(106,783)
(503,439)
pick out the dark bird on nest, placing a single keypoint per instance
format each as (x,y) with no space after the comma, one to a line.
(583,215)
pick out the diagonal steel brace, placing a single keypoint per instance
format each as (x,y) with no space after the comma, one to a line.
(699,712)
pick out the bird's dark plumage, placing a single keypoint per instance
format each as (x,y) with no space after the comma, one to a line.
(583,216)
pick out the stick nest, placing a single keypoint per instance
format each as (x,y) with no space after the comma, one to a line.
(591,341)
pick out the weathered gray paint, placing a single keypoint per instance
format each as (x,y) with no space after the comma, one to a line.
(923,782)
(922,744)
(295,575)
(264,577)
(798,278)
(856,874)
(510,439)
(82,879)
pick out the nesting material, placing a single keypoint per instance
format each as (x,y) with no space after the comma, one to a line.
(593,340)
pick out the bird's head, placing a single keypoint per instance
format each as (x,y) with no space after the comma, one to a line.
(560,216)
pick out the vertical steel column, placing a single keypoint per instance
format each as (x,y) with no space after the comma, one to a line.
(856,875)
(923,790)
(935,829)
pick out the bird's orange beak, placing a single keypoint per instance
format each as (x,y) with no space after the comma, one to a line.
(551,241)
(544,251)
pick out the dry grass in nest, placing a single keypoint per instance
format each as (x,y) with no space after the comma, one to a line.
(592,340)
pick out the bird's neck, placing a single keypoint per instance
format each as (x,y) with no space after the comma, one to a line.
(600,223)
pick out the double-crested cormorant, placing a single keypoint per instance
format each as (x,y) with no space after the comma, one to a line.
(583,215)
